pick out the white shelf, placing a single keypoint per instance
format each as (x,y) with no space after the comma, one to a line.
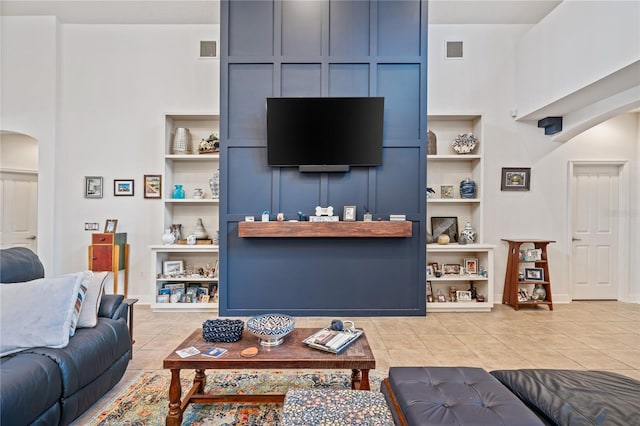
(455,247)
(185,248)
(452,200)
(450,278)
(185,307)
(192,200)
(454,157)
(459,307)
(189,280)
(193,157)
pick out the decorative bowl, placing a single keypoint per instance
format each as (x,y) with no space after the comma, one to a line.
(465,143)
(271,328)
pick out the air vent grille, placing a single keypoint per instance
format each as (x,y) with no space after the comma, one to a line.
(208,49)
(454,49)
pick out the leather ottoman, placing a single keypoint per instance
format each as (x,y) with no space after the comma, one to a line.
(452,396)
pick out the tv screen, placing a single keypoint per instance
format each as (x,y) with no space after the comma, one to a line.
(324,134)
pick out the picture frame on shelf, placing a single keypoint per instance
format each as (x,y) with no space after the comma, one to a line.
(430,271)
(463,296)
(532,255)
(441,298)
(93,187)
(123,187)
(451,269)
(471,265)
(349,214)
(429,289)
(172,267)
(446,191)
(534,274)
(445,225)
(110,226)
(153,186)
(515,179)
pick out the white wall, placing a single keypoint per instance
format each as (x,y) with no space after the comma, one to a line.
(577,44)
(117,83)
(29,48)
(484,83)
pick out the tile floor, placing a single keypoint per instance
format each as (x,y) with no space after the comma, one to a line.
(597,335)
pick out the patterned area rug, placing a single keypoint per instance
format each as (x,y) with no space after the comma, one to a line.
(145,401)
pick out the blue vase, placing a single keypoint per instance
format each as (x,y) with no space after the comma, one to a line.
(178,192)
(468,188)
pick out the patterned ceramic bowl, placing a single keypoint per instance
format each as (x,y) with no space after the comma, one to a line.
(271,328)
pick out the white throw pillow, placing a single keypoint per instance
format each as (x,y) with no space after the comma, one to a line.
(91,305)
(37,313)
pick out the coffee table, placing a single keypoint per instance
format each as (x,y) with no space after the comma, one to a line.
(291,354)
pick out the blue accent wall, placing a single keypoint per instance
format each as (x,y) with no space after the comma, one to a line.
(322,48)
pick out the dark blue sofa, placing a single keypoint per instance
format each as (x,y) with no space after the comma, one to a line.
(46,386)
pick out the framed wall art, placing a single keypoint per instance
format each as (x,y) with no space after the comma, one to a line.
(110,226)
(515,179)
(446,191)
(445,225)
(123,187)
(152,186)
(93,187)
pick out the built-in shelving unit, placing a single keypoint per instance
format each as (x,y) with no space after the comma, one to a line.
(378,229)
(192,171)
(448,168)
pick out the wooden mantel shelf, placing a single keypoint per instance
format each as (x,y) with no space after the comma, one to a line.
(377,229)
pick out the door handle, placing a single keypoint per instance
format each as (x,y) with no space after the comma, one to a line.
(31,237)
(576,239)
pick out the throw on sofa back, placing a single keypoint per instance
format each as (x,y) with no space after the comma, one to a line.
(19,264)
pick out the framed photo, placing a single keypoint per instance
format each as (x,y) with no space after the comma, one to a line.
(429,289)
(441,298)
(172,267)
(463,296)
(446,191)
(532,255)
(152,186)
(534,274)
(471,265)
(349,214)
(93,187)
(445,225)
(450,269)
(522,295)
(430,271)
(110,226)
(515,179)
(123,187)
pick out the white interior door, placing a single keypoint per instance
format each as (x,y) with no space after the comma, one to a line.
(595,207)
(19,210)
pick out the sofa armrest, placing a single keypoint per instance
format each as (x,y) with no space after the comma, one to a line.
(113,306)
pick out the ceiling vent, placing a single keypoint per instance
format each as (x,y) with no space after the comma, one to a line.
(454,50)
(208,49)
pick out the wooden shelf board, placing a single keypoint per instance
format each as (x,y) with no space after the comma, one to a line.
(376,229)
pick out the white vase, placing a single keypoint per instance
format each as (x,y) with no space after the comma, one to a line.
(199,232)
(214,184)
(181,141)
(168,237)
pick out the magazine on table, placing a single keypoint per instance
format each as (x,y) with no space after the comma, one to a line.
(333,341)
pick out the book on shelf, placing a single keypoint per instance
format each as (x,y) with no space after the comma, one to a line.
(333,341)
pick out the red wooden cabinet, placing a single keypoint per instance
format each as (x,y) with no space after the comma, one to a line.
(110,252)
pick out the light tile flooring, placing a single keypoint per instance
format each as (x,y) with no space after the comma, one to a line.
(594,335)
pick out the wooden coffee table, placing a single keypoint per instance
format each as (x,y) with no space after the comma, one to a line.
(291,354)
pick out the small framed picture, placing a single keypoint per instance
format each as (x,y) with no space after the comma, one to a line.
(152,186)
(534,274)
(463,295)
(441,298)
(430,271)
(172,267)
(110,226)
(445,225)
(446,191)
(471,265)
(429,289)
(123,187)
(93,187)
(349,214)
(450,269)
(515,179)
(532,255)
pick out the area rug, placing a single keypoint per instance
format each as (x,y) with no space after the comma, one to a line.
(145,401)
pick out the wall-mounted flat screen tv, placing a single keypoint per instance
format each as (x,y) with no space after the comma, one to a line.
(324,134)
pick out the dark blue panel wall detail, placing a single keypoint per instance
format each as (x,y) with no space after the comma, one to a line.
(322,48)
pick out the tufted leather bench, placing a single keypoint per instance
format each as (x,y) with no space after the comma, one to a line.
(452,396)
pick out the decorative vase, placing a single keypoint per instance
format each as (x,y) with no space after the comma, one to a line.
(181,141)
(176,230)
(432,143)
(168,237)
(539,292)
(468,233)
(199,231)
(468,188)
(214,184)
(178,192)
(443,239)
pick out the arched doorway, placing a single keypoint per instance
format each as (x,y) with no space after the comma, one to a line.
(18,190)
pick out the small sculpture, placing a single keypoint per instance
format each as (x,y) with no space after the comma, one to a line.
(211,144)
